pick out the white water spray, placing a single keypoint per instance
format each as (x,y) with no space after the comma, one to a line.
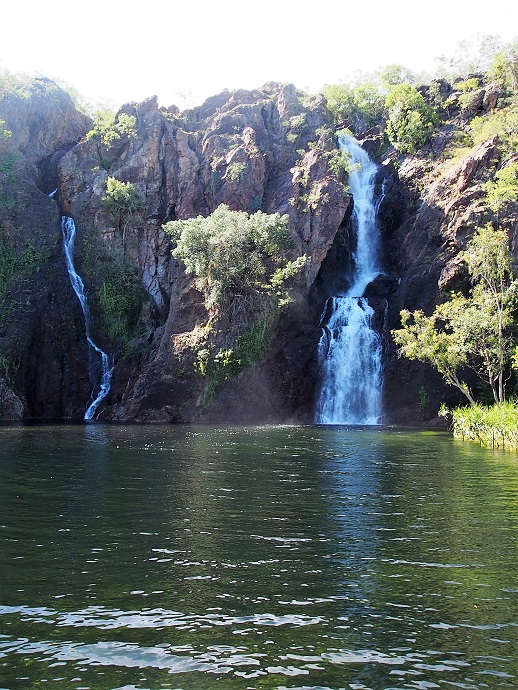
(68,230)
(350,350)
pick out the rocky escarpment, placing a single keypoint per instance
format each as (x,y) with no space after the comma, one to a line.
(268,149)
(271,149)
(42,354)
(445,200)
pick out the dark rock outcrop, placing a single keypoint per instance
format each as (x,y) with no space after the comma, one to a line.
(251,150)
(267,149)
(41,331)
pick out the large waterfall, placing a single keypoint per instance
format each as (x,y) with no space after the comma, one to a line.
(350,350)
(68,230)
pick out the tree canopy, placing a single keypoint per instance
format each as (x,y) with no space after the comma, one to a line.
(109,127)
(233,255)
(474,331)
(410,120)
(4,133)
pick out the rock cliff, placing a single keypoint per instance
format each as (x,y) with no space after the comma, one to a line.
(271,149)
(445,200)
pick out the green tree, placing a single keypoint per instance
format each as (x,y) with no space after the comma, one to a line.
(236,171)
(493,303)
(504,66)
(428,339)
(356,106)
(109,128)
(410,119)
(472,55)
(4,133)
(395,74)
(234,256)
(122,200)
(503,123)
(474,331)
(502,191)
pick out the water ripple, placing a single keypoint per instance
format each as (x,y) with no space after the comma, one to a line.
(105,619)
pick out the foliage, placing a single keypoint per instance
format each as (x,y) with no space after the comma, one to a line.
(239,265)
(423,400)
(115,287)
(474,331)
(235,171)
(503,123)
(234,256)
(390,92)
(503,189)
(122,201)
(119,300)
(504,66)
(473,55)
(4,133)
(109,128)
(6,369)
(467,85)
(15,84)
(361,105)
(493,426)
(410,119)
(14,264)
(10,199)
(395,74)
(422,338)
(250,348)
(298,122)
(468,97)
(339,160)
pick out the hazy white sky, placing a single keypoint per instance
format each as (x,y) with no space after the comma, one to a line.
(120,51)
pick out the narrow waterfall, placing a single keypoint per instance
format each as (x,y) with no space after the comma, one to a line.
(68,230)
(350,349)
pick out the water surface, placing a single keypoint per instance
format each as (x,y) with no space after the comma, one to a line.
(249,558)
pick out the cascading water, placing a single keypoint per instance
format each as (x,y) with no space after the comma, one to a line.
(350,349)
(68,230)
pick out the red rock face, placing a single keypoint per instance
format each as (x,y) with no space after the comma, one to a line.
(250,150)
(267,149)
(45,361)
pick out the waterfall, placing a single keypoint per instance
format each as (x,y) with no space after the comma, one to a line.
(350,349)
(68,230)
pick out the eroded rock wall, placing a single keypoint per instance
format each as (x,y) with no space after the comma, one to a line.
(268,149)
(445,201)
(263,150)
(44,371)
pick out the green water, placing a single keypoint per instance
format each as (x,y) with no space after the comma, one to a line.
(250,558)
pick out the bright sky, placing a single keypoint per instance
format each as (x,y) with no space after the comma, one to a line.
(118,51)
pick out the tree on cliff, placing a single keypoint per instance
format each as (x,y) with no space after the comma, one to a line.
(122,201)
(502,190)
(239,265)
(473,332)
(4,133)
(235,257)
(410,119)
(504,65)
(360,106)
(109,127)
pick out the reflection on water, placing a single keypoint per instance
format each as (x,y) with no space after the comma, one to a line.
(278,557)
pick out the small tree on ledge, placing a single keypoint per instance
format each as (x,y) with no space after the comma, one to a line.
(235,258)
(122,201)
